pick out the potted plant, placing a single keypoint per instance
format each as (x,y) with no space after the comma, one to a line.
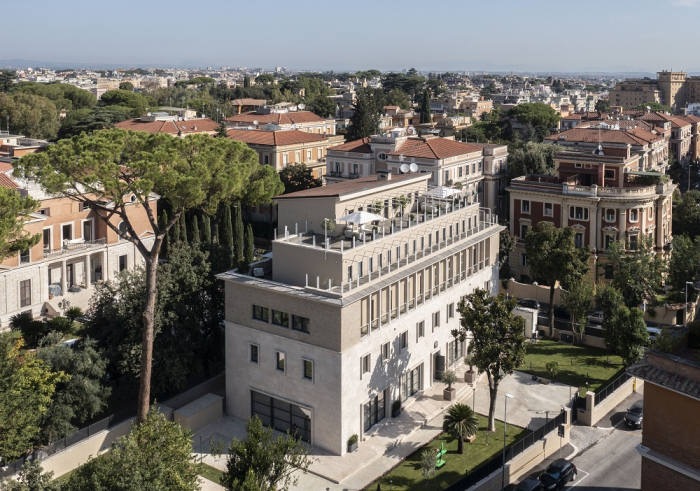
(396,408)
(352,443)
(470,375)
(310,233)
(449,377)
(329,225)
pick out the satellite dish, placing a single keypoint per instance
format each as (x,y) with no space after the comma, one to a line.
(413,168)
(255,122)
(404,168)
(401,158)
(251,127)
(301,106)
(294,126)
(149,114)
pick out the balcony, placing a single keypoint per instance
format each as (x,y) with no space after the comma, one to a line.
(71,247)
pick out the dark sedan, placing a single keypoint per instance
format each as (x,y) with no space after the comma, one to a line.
(633,418)
(558,474)
(529,484)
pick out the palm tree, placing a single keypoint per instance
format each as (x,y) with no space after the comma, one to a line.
(460,422)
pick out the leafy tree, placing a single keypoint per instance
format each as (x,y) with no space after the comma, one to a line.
(14,211)
(578,302)
(206,229)
(532,158)
(686,216)
(80,397)
(321,105)
(427,465)
(137,102)
(497,340)
(553,256)
(609,300)
(460,423)
(262,462)
(506,245)
(368,109)
(238,236)
(32,330)
(265,79)
(183,228)
(246,81)
(78,121)
(114,165)
(221,131)
(64,96)
(541,116)
(156,455)
(30,115)
(425,115)
(654,107)
(602,105)
(7,78)
(31,478)
(27,387)
(298,177)
(631,334)
(638,274)
(552,368)
(126,86)
(684,264)
(397,97)
(74,313)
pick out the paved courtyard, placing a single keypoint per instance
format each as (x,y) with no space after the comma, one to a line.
(396,438)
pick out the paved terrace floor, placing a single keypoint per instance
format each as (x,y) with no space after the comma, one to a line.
(395,438)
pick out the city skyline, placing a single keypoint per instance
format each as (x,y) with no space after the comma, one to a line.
(369,36)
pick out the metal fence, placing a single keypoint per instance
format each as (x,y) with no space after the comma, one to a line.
(611,387)
(512,451)
(65,442)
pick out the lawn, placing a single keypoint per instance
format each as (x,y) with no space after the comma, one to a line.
(577,364)
(407,475)
(211,473)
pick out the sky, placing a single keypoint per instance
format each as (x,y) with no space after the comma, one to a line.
(472,35)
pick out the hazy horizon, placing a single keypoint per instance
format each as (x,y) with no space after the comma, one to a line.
(503,35)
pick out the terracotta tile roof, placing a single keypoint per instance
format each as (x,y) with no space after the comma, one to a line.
(573,117)
(7,182)
(623,123)
(655,116)
(680,122)
(636,136)
(171,127)
(434,148)
(274,138)
(692,118)
(391,107)
(357,146)
(350,186)
(669,379)
(296,117)
(5,166)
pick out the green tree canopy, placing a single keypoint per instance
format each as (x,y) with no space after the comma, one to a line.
(368,110)
(27,388)
(136,102)
(87,120)
(114,167)
(14,211)
(297,177)
(156,455)
(638,274)
(497,338)
(653,106)
(321,105)
(64,96)
(460,423)
(263,462)
(532,158)
(577,301)
(30,115)
(630,334)
(541,116)
(686,215)
(126,86)
(425,114)
(684,264)
(7,79)
(31,478)
(553,256)
(397,97)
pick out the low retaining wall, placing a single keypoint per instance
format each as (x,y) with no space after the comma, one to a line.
(592,414)
(531,290)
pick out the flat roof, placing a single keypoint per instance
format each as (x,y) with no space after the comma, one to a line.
(351,186)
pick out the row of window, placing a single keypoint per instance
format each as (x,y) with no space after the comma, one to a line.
(581,212)
(280,318)
(307,366)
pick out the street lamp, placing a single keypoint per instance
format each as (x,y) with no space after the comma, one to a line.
(505,423)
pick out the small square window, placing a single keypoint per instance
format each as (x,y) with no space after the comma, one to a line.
(254,353)
(279,364)
(261,313)
(300,323)
(609,173)
(280,318)
(308,370)
(403,340)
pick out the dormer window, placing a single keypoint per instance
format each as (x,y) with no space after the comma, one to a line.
(382,156)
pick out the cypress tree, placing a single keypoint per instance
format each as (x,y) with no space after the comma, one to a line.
(175,232)
(238,235)
(194,228)
(249,244)
(183,228)
(206,229)
(226,237)
(425,108)
(166,239)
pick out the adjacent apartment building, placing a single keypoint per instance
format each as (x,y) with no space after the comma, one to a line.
(605,196)
(669,447)
(76,251)
(345,319)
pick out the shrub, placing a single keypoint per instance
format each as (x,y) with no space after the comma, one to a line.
(74,313)
(552,368)
(449,377)
(61,324)
(352,440)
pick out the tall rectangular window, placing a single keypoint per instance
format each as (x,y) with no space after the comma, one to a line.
(47,239)
(365,365)
(25,293)
(385,352)
(436,319)
(254,353)
(67,231)
(420,329)
(451,310)
(374,411)
(122,262)
(403,340)
(548,209)
(308,373)
(87,230)
(24,256)
(525,206)
(279,361)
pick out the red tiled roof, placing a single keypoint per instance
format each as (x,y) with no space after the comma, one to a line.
(623,123)
(274,138)
(572,116)
(7,182)
(172,127)
(655,116)
(5,166)
(635,136)
(692,118)
(680,121)
(296,117)
(434,148)
(356,146)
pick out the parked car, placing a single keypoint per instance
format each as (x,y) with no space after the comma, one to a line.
(633,418)
(596,317)
(561,312)
(530,484)
(529,303)
(558,473)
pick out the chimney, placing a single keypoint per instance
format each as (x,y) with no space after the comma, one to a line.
(383,175)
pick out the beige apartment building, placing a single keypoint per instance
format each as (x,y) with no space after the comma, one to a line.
(343,320)
(283,119)
(674,89)
(76,251)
